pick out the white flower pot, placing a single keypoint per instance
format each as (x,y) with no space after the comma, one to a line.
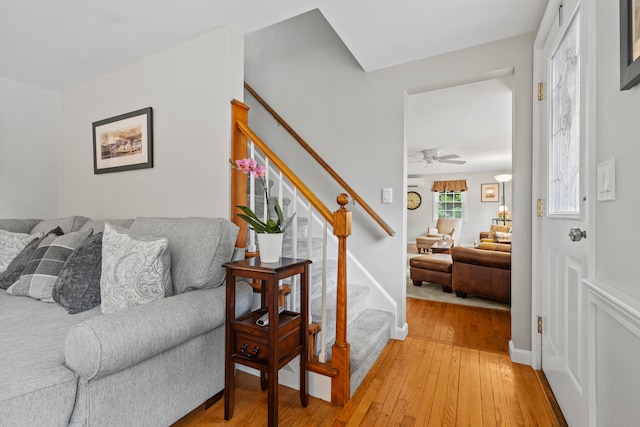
(270,247)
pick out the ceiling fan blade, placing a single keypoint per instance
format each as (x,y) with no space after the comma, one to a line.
(454,162)
(448,156)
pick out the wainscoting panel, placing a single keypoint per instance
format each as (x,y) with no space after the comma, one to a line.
(576,348)
(614,357)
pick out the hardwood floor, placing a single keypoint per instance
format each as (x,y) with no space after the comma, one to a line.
(452,370)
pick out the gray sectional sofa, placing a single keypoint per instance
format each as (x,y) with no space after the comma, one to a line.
(147,365)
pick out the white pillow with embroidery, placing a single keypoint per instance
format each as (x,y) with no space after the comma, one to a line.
(135,269)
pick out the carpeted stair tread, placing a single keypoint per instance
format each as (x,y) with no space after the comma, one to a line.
(356,302)
(367,335)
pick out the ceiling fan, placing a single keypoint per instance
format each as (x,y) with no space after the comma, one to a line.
(432,156)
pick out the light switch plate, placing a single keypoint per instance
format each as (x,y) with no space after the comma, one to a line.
(606,180)
(387,195)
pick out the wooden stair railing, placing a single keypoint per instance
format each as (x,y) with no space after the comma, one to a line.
(354,195)
(339,367)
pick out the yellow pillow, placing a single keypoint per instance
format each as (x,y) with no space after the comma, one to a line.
(500,228)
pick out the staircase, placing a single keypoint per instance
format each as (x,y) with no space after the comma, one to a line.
(348,334)
(368,330)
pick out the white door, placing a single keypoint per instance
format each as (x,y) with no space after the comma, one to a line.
(561,176)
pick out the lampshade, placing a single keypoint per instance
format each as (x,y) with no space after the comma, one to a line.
(504,177)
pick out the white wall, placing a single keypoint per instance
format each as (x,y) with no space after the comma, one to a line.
(352,119)
(479,214)
(189,88)
(29,119)
(490,60)
(617,134)
(355,120)
(614,294)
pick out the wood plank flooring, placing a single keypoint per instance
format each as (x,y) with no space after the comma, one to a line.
(452,370)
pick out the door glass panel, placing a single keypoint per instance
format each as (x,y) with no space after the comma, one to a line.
(564,149)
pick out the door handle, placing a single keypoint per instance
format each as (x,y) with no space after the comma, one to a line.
(575,234)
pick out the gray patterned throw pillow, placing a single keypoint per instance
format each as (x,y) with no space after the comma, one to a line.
(19,263)
(40,274)
(78,286)
(135,269)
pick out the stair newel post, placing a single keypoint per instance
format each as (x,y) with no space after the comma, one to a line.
(239,113)
(341,352)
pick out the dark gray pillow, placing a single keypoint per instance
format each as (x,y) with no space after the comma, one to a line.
(19,263)
(78,286)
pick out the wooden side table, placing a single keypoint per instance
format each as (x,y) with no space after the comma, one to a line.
(266,348)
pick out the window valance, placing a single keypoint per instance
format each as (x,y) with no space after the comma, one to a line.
(454,185)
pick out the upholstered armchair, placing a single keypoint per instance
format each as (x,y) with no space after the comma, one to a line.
(446,228)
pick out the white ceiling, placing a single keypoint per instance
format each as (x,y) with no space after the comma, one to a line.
(58,44)
(473,121)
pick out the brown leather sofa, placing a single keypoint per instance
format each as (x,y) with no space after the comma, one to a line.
(482,272)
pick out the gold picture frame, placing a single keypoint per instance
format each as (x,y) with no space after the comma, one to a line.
(489,192)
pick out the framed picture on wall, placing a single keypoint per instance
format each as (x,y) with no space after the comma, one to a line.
(489,192)
(629,43)
(123,142)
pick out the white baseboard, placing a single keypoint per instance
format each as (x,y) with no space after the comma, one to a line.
(401,333)
(519,356)
(317,385)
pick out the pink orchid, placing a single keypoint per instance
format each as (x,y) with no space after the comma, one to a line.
(268,225)
(250,166)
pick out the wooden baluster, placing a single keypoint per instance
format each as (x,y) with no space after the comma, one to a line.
(341,356)
(239,113)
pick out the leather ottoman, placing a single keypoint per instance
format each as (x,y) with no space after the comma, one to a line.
(434,268)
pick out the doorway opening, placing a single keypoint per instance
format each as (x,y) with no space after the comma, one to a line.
(459,132)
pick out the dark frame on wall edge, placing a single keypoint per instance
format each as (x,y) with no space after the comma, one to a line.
(629,69)
(136,128)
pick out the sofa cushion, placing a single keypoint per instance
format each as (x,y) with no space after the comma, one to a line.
(18,225)
(17,266)
(136,269)
(492,246)
(11,244)
(42,270)
(434,262)
(198,246)
(98,224)
(36,385)
(78,286)
(68,225)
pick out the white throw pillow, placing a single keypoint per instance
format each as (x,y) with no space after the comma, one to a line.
(135,269)
(503,236)
(11,244)
(432,232)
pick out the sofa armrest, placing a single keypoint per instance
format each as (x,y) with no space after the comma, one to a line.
(106,344)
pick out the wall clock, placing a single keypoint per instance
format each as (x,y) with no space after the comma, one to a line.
(413,200)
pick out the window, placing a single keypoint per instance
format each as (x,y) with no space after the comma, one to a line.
(449,204)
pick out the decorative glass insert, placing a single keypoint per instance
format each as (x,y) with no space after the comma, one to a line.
(564,144)
(450,204)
